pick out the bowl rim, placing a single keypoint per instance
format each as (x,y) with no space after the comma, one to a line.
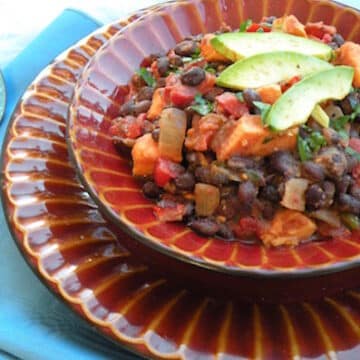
(117,220)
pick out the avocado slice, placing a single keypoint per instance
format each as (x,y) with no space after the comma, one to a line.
(237,46)
(269,68)
(296,105)
(320,116)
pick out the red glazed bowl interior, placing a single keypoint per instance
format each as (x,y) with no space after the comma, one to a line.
(108,178)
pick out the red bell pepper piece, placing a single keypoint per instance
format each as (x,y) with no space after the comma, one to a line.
(165,170)
(232,105)
(175,213)
(288,84)
(256,28)
(354,143)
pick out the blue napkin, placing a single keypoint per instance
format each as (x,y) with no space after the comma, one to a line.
(34,324)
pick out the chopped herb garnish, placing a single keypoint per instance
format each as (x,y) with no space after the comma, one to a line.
(243,26)
(196,54)
(260,30)
(310,144)
(303,149)
(201,105)
(340,123)
(146,76)
(240,96)
(210,69)
(264,109)
(353,153)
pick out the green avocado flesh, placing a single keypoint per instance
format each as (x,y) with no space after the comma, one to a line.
(269,68)
(296,105)
(237,46)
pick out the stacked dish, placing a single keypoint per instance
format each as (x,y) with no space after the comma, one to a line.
(117,280)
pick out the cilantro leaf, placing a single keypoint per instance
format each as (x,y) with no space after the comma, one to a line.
(310,144)
(264,109)
(210,69)
(201,106)
(260,30)
(244,25)
(147,77)
(303,149)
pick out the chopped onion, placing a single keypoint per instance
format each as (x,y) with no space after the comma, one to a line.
(331,217)
(207,199)
(172,133)
(294,195)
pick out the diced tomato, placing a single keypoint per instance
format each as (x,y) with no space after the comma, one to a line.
(354,143)
(318,30)
(327,38)
(206,85)
(356,173)
(247,226)
(182,96)
(256,28)
(175,213)
(129,127)
(288,84)
(232,105)
(165,170)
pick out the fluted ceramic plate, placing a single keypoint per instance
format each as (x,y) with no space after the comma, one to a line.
(107,176)
(81,258)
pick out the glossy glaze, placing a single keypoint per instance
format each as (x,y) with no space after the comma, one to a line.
(82,258)
(108,177)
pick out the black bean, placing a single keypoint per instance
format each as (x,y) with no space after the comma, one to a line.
(229,207)
(314,125)
(315,197)
(127,108)
(176,61)
(250,96)
(329,191)
(225,232)
(156,134)
(218,178)
(137,81)
(186,48)
(331,136)
(151,190)
(247,192)
(349,103)
(355,191)
(189,209)
(203,174)
(355,130)
(185,181)
(241,162)
(351,162)
(148,127)
(268,210)
(313,171)
(163,65)
(145,93)
(271,193)
(142,106)
(205,226)
(215,91)
(338,39)
(193,77)
(270,19)
(334,161)
(160,82)
(285,163)
(124,146)
(348,203)
(343,184)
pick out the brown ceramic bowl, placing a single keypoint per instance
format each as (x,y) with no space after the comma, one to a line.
(108,178)
(85,261)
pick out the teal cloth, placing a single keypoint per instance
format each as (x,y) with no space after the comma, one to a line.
(34,323)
